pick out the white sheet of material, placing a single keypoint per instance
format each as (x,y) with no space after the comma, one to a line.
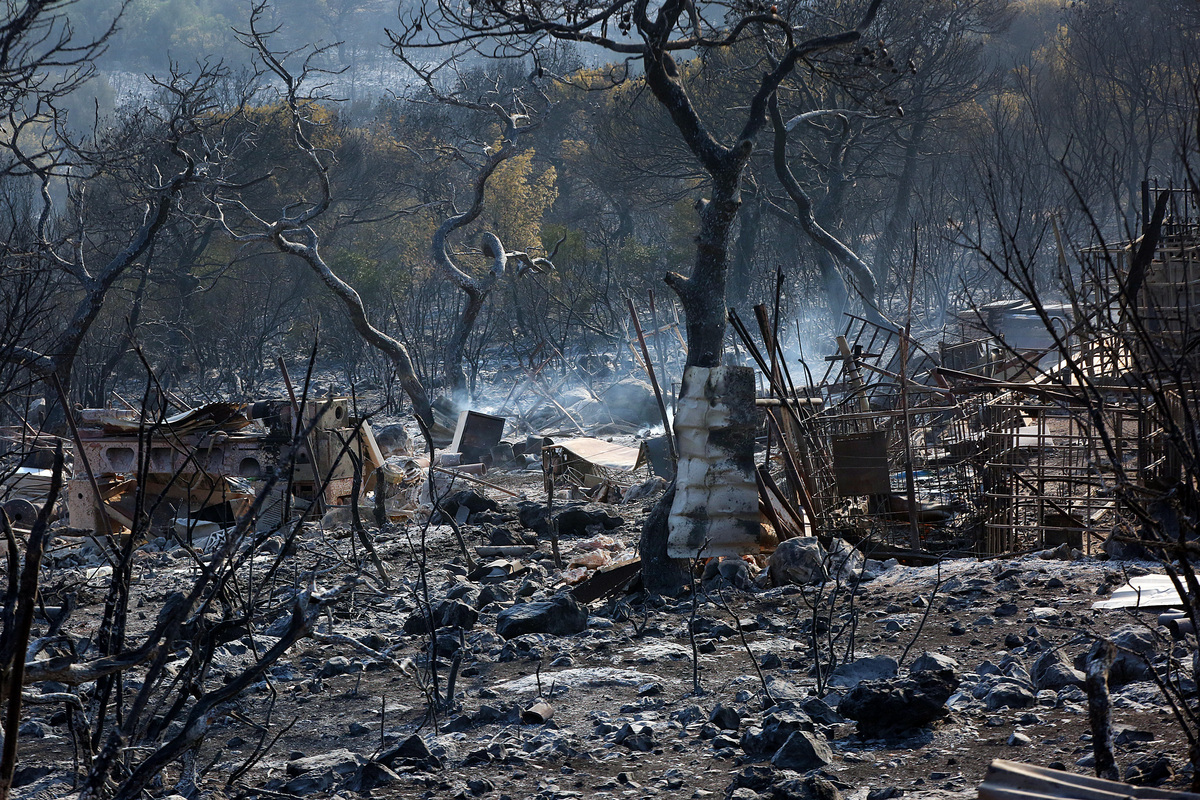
(1144,591)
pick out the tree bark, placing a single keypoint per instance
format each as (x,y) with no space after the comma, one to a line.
(456,348)
(741,273)
(862,278)
(900,202)
(392,348)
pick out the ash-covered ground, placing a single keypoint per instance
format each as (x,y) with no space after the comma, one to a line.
(1000,642)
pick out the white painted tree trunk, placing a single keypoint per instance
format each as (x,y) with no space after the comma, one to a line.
(715,512)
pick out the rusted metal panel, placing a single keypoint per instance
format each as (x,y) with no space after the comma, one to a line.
(860,464)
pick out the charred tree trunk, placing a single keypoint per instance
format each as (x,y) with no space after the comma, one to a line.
(309,251)
(741,274)
(703,293)
(861,277)
(900,203)
(456,348)
(476,289)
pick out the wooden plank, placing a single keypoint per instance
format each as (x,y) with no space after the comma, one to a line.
(786,518)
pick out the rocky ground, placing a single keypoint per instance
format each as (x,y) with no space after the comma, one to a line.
(979,660)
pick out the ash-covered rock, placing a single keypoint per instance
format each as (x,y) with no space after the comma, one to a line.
(896,707)
(561,615)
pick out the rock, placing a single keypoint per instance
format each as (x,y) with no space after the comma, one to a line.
(455,614)
(341,760)
(1134,647)
(576,521)
(631,400)
(1008,694)
(725,718)
(871,668)
(845,562)
(799,560)
(803,751)
(471,500)
(890,708)
(928,660)
(1018,739)
(561,615)
(1150,770)
(1053,670)
(338,665)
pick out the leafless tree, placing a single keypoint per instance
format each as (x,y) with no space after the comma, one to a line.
(632,29)
(477,289)
(292,230)
(40,66)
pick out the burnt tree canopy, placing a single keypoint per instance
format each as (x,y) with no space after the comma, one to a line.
(653,37)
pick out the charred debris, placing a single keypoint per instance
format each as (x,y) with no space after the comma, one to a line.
(993,438)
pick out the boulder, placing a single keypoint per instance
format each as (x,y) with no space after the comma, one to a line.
(928,660)
(561,615)
(845,562)
(803,751)
(1053,670)
(894,707)
(871,668)
(799,560)
(1009,694)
